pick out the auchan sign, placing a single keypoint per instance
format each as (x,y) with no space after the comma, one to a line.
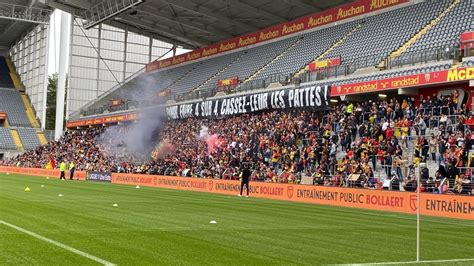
(350,10)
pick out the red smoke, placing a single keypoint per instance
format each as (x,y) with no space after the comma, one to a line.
(212,143)
(162,149)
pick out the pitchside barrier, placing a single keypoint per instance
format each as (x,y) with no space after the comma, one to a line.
(53,173)
(452,206)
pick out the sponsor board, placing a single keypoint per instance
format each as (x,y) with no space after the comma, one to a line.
(116,102)
(320,64)
(102,120)
(164,93)
(342,12)
(99,176)
(453,206)
(53,173)
(443,76)
(312,97)
(228,82)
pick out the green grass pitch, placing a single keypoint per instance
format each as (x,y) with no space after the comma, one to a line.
(161,226)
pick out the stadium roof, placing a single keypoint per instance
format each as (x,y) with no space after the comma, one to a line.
(197,23)
(17,17)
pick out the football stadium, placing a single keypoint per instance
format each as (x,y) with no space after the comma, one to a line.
(236,132)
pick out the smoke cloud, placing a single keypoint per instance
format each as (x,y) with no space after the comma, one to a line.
(141,137)
(212,141)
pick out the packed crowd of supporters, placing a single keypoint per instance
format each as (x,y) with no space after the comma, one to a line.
(354,144)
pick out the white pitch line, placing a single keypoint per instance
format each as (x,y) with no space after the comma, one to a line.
(408,262)
(61,245)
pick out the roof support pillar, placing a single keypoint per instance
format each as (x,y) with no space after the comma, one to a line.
(61,87)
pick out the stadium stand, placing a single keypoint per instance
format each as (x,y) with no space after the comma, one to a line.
(443,35)
(425,39)
(16,80)
(394,72)
(469,62)
(5,79)
(372,140)
(446,33)
(12,104)
(30,113)
(372,43)
(424,32)
(18,133)
(168,77)
(202,71)
(6,140)
(16,139)
(250,60)
(29,138)
(310,46)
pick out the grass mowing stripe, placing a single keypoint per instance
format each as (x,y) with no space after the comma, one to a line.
(156,225)
(408,262)
(171,193)
(56,243)
(344,210)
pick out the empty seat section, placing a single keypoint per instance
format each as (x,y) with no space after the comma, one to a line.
(306,50)
(29,138)
(167,77)
(365,42)
(202,71)
(11,103)
(251,60)
(144,89)
(6,139)
(384,33)
(446,33)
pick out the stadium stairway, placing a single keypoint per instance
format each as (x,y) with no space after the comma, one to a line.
(16,139)
(29,111)
(251,77)
(14,75)
(217,73)
(331,48)
(456,65)
(41,137)
(402,49)
(5,80)
(178,79)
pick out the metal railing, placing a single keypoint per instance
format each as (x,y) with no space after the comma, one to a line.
(406,59)
(104,10)
(122,107)
(24,13)
(246,86)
